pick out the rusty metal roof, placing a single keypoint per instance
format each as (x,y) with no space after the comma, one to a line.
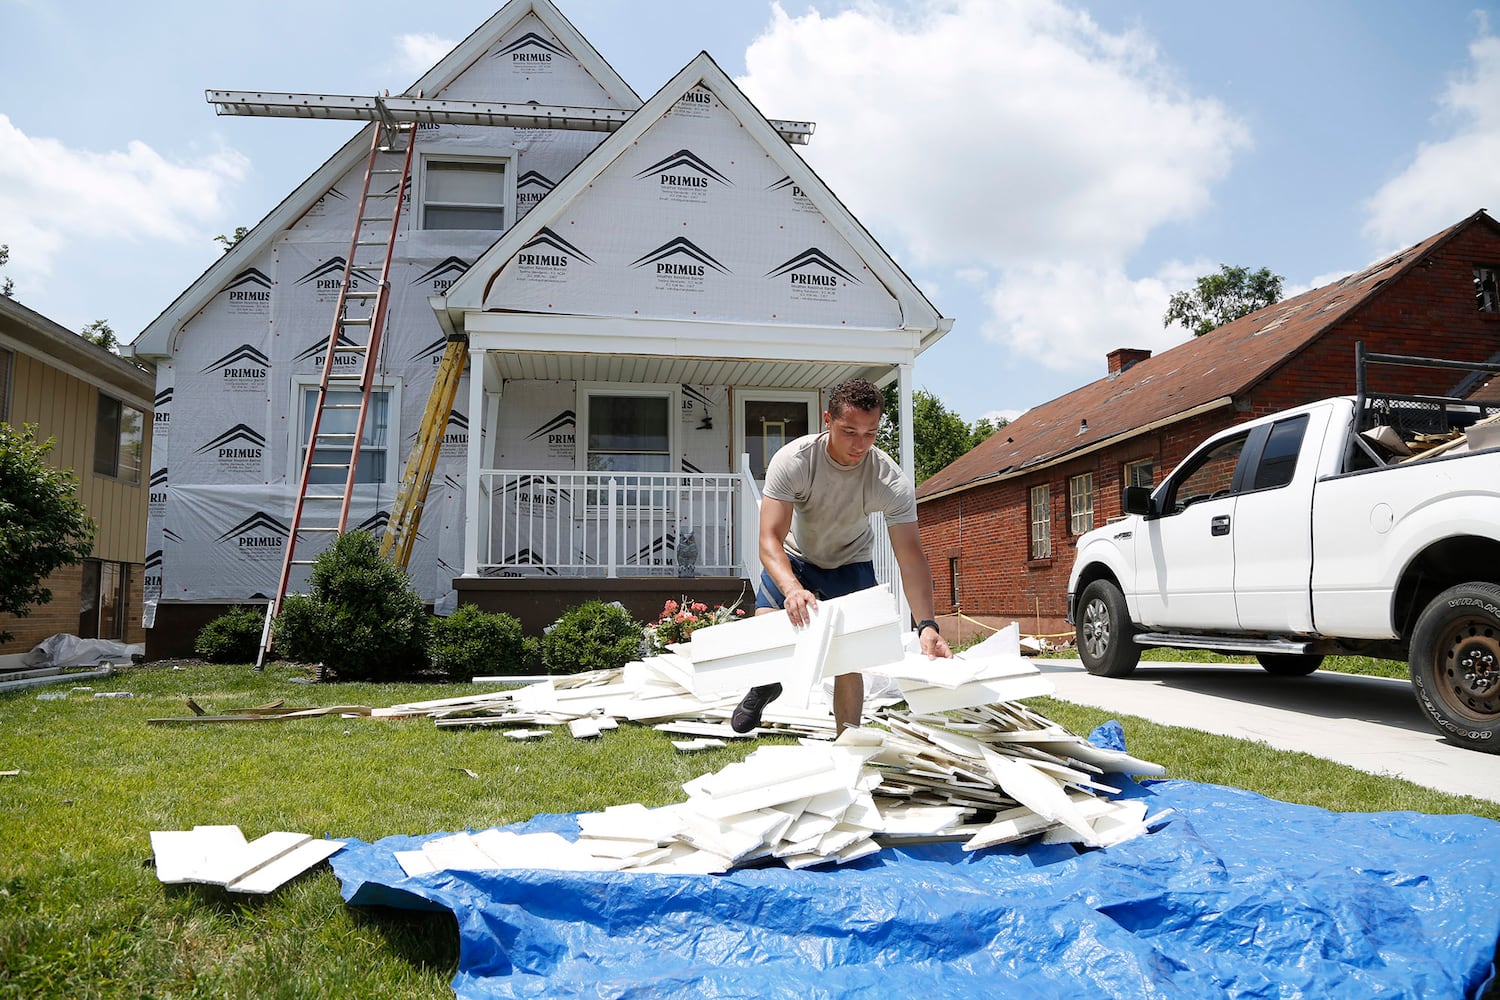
(1184,380)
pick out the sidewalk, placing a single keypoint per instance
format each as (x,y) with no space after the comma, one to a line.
(1370,723)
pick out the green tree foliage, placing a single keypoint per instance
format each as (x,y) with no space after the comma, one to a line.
(44,526)
(240,232)
(361,618)
(1216,299)
(99,332)
(938,434)
(7,287)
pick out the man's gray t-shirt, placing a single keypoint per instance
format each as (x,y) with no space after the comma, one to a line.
(831,504)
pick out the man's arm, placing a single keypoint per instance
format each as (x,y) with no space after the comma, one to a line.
(916,580)
(775,523)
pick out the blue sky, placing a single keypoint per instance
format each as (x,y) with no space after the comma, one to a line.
(1048,171)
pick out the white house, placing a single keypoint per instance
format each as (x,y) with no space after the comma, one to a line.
(652,304)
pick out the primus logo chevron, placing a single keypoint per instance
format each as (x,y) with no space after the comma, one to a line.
(547,257)
(680,265)
(259,537)
(558,434)
(684,177)
(238,449)
(532,52)
(800,202)
(442,276)
(345,357)
(531,187)
(156,498)
(161,413)
(813,275)
(328,277)
(248,293)
(241,370)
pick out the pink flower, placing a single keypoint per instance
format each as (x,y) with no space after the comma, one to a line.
(699,607)
(670,608)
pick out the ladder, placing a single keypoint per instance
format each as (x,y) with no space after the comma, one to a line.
(358,325)
(406,513)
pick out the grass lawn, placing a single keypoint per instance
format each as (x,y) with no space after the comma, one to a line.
(1367,665)
(82,914)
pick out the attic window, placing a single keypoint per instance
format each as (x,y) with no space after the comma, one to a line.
(464,193)
(1487,288)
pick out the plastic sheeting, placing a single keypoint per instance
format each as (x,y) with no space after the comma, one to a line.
(1235,895)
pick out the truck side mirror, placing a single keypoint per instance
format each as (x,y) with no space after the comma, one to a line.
(1137,500)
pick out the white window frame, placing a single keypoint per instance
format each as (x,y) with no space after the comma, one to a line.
(741,396)
(1040,536)
(1081,503)
(1132,468)
(449,153)
(393,448)
(671,393)
(1487,288)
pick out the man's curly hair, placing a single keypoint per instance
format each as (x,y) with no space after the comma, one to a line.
(857,393)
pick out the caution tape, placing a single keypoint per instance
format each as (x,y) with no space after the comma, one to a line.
(1051,635)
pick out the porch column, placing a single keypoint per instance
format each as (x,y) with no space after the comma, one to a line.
(477,372)
(908,466)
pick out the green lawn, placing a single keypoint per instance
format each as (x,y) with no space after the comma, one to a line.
(82,914)
(1338,664)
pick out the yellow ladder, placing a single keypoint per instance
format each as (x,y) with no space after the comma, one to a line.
(406,513)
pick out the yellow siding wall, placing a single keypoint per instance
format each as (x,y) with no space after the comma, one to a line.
(65,407)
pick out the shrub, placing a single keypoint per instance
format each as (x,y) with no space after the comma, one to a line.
(471,641)
(592,636)
(361,618)
(233,637)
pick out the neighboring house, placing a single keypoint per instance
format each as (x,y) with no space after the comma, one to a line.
(644,303)
(97,407)
(1001,523)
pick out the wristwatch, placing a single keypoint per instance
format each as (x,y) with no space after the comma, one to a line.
(926,623)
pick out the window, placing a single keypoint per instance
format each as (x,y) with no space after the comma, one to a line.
(1141,473)
(464,194)
(331,464)
(953,578)
(1487,288)
(1278,459)
(629,433)
(6,360)
(1081,503)
(1041,522)
(1211,475)
(118,440)
(101,612)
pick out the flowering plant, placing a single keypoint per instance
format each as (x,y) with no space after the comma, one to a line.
(680,619)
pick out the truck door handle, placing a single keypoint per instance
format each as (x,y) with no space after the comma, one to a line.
(1219,525)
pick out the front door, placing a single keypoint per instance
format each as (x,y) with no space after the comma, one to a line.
(769,419)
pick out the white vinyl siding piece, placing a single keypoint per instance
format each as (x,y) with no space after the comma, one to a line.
(220,855)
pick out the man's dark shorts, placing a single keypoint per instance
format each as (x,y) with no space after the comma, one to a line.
(824,583)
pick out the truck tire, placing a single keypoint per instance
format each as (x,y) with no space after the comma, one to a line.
(1290,664)
(1455,664)
(1105,633)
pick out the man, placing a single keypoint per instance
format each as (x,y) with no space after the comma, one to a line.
(815,536)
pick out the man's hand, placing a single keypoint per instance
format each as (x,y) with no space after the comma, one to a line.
(799,606)
(934,645)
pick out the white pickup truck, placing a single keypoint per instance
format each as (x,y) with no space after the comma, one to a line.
(1297,535)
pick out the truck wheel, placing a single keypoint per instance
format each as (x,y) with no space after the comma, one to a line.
(1106,635)
(1290,664)
(1455,664)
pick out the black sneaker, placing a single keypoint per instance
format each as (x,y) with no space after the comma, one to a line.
(747,713)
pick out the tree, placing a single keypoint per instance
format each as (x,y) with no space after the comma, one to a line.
(101,333)
(240,232)
(7,287)
(1220,298)
(938,434)
(43,524)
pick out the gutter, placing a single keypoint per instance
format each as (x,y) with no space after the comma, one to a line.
(1012,473)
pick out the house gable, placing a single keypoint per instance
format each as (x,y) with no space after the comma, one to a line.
(696,211)
(490,65)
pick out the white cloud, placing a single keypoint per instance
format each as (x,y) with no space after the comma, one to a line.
(1013,138)
(52,196)
(1449,179)
(416,54)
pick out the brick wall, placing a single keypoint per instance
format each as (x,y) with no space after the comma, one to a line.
(1430,312)
(58,615)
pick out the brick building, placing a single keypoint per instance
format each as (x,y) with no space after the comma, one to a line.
(1001,523)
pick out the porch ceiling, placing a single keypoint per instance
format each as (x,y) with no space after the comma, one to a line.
(666,371)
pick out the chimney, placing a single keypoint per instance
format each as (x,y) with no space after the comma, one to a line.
(1121,358)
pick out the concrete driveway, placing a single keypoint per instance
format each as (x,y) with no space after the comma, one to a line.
(1371,723)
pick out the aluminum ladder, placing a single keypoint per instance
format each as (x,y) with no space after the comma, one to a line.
(358,326)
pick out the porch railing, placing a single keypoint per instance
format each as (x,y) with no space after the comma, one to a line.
(540,522)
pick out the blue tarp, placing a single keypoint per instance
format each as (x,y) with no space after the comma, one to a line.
(1234,895)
